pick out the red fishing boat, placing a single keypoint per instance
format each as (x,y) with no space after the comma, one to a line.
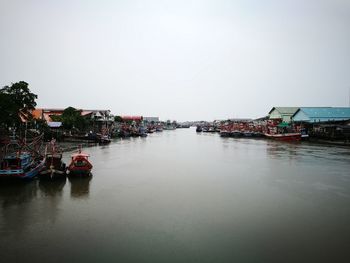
(285,136)
(80,164)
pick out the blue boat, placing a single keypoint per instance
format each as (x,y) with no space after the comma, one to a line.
(19,163)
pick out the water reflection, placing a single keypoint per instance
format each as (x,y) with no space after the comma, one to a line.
(52,188)
(79,186)
(183,197)
(15,192)
(285,150)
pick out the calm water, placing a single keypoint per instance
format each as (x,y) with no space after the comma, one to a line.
(179,196)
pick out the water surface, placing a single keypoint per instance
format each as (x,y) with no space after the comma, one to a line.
(179,196)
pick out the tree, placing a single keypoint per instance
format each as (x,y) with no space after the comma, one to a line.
(16,100)
(118,119)
(71,118)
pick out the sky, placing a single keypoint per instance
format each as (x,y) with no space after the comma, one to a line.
(179,60)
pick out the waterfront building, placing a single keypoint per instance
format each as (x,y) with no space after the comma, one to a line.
(321,114)
(136,119)
(99,118)
(283,114)
(331,123)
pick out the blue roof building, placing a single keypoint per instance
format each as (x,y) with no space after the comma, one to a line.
(321,114)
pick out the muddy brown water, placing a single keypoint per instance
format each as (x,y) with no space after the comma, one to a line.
(178,196)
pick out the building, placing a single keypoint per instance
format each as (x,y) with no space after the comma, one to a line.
(98,118)
(321,114)
(282,113)
(330,123)
(136,119)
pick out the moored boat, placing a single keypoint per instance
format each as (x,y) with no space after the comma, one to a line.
(236,133)
(285,136)
(104,139)
(224,133)
(54,167)
(80,164)
(20,163)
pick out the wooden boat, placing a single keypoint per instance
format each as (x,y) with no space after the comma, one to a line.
(247,134)
(159,128)
(104,139)
(54,167)
(20,163)
(80,164)
(143,131)
(285,136)
(225,133)
(236,133)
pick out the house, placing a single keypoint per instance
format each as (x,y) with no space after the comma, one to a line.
(283,114)
(99,118)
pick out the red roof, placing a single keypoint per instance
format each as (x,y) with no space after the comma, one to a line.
(131,118)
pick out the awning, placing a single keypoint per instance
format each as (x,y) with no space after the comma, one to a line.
(283,125)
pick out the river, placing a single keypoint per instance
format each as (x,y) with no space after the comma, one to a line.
(178,196)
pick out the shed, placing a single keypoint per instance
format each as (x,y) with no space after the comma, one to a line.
(283,113)
(321,114)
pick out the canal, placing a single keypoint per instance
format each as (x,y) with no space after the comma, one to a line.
(178,196)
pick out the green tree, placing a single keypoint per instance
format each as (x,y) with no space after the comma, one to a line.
(16,100)
(71,118)
(118,119)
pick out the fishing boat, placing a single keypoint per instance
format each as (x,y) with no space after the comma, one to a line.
(54,167)
(19,162)
(142,131)
(159,128)
(199,128)
(285,136)
(247,134)
(236,133)
(80,164)
(104,139)
(225,133)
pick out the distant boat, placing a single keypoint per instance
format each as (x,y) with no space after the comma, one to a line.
(54,167)
(169,127)
(80,164)
(104,139)
(199,129)
(236,133)
(224,133)
(143,131)
(248,134)
(285,136)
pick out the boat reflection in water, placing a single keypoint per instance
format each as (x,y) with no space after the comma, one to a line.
(52,188)
(15,193)
(79,186)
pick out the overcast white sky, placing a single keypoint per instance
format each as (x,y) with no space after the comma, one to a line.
(181,59)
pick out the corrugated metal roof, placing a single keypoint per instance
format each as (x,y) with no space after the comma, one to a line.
(326,112)
(54,124)
(285,110)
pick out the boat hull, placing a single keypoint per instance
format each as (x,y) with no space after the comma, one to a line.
(285,136)
(79,172)
(22,174)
